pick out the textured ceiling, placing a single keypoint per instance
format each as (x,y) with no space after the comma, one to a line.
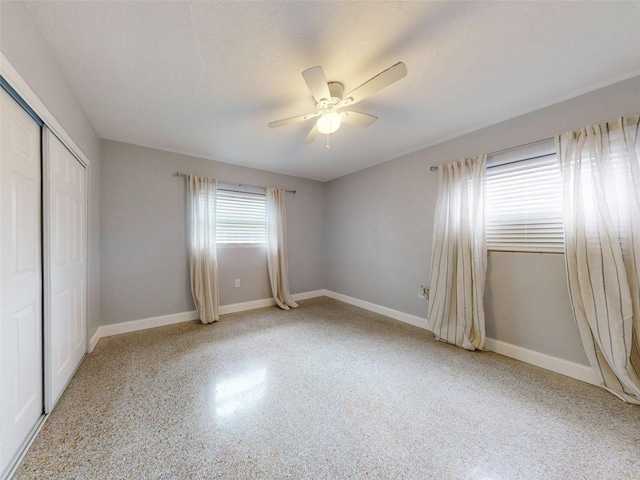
(205,78)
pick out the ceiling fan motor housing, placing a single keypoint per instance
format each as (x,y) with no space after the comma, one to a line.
(336,90)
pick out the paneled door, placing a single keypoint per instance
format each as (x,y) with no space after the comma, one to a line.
(66,232)
(21,338)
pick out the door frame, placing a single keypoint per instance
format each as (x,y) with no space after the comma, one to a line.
(15,81)
(20,90)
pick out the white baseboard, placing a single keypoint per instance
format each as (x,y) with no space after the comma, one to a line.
(266,302)
(161,321)
(372,307)
(94,341)
(548,362)
(307,295)
(143,324)
(542,360)
(241,307)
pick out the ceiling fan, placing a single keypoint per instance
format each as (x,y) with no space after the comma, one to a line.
(330,100)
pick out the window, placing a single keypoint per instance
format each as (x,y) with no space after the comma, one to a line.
(241,217)
(524,200)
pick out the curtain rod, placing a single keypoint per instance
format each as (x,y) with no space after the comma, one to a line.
(180,174)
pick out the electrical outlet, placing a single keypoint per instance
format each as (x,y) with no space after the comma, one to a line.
(237,283)
(423,292)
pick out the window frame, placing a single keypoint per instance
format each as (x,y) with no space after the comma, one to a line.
(246,191)
(547,218)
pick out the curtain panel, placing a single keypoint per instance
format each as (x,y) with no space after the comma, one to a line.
(277,248)
(459,255)
(601,187)
(203,263)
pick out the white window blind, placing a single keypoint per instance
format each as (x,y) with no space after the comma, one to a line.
(241,217)
(524,200)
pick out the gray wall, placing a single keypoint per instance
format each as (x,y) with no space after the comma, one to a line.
(367,235)
(22,42)
(527,304)
(379,230)
(143,241)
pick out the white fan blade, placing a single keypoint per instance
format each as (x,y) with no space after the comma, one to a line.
(375,84)
(317,83)
(312,135)
(287,121)
(358,119)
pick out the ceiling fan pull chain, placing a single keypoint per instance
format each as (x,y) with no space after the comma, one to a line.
(327,140)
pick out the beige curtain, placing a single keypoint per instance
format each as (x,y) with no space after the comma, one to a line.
(203,262)
(459,256)
(601,181)
(277,248)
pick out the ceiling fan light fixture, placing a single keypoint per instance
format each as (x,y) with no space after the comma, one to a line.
(329,98)
(329,123)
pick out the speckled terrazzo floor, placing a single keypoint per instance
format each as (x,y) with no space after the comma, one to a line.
(328,391)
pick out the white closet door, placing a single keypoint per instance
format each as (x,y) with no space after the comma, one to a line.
(21,384)
(66,226)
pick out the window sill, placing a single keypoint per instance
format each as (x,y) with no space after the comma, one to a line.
(504,250)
